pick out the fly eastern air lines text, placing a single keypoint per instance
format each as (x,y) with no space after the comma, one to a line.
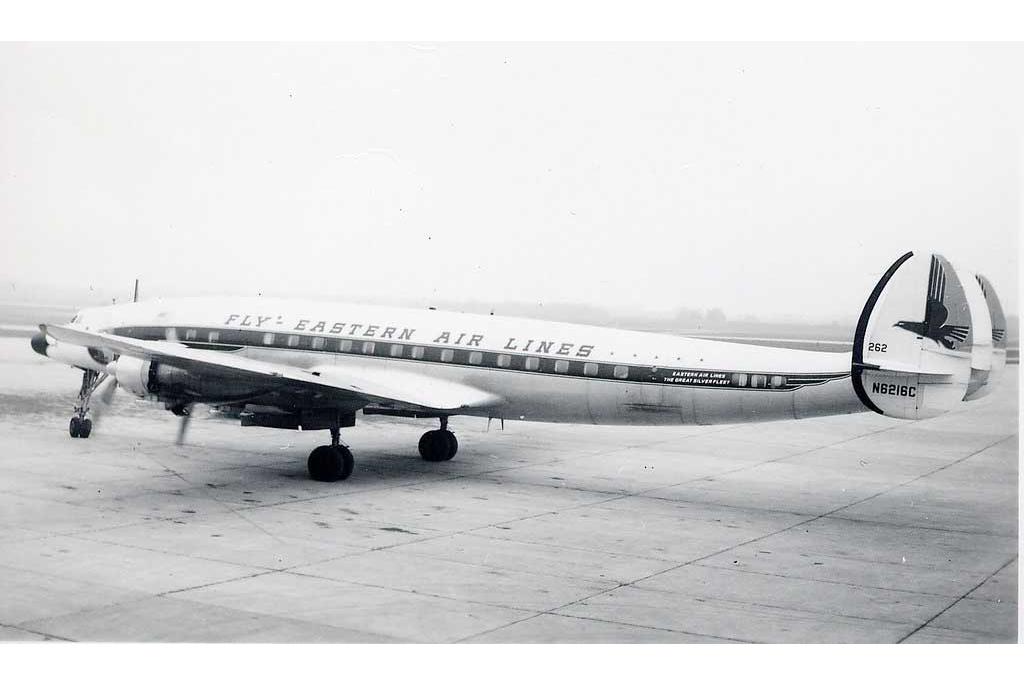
(459,339)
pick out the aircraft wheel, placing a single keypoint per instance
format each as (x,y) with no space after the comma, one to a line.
(85,428)
(438,445)
(328,464)
(75,427)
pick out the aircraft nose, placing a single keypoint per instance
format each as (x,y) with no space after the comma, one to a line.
(39,343)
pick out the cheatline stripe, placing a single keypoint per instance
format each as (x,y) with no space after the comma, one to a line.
(489,359)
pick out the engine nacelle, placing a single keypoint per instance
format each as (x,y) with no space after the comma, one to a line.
(75,355)
(134,375)
(156,379)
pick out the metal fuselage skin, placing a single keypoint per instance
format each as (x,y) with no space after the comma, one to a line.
(540,370)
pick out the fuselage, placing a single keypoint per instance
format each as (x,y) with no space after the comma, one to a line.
(540,370)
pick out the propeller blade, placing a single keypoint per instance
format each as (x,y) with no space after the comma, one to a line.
(105,399)
(183,426)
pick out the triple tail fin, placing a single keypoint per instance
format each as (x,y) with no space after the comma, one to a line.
(912,351)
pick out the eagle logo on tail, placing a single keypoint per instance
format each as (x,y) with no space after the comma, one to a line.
(935,314)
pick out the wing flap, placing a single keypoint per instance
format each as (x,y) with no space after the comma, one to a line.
(387,388)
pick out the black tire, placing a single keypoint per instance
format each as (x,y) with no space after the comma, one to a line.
(434,446)
(328,464)
(85,429)
(453,444)
(75,427)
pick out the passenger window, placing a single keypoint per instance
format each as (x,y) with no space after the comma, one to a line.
(214,336)
(190,334)
(739,379)
(561,366)
(268,338)
(293,341)
(344,346)
(417,352)
(778,381)
(504,360)
(170,334)
(758,381)
(590,369)
(532,363)
(368,347)
(475,358)
(396,350)
(318,343)
(621,372)
(447,355)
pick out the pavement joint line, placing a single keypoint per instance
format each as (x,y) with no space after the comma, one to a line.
(955,602)
(566,548)
(674,631)
(910,526)
(824,580)
(640,625)
(168,593)
(740,602)
(877,562)
(418,593)
(261,568)
(181,555)
(48,636)
(458,562)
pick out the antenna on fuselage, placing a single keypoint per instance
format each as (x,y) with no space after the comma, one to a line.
(135,297)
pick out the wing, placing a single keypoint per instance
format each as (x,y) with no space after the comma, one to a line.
(387,388)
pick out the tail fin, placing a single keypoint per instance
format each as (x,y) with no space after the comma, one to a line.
(981,322)
(998,348)
(912,348)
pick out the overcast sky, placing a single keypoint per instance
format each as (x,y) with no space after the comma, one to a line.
(773,180)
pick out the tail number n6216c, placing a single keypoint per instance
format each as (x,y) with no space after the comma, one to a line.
(894,389)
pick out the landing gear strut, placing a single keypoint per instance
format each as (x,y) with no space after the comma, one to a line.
(332,462)
(80,425)
(439,445)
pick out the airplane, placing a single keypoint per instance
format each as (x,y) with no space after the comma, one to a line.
(926,340)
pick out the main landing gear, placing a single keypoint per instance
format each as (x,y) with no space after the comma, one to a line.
(439,445)
(332,462)
(80,425)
